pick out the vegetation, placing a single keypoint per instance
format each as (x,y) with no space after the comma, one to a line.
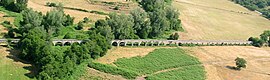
(184,73)
(14,5)
(182,66)
(264,39)
(259,5)
(114,70)
(174,36)
(160,59)
(240,63)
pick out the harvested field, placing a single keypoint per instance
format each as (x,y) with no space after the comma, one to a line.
(218,20)
(219,60)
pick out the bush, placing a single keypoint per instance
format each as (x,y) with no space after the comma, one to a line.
(114,70)
(79,26)
(51,4)
(116,8)
(256,42)
(240,63)
(174,36)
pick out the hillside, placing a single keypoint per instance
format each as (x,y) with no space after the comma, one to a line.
(219,20)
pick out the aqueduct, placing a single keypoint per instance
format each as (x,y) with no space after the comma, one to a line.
(142,42)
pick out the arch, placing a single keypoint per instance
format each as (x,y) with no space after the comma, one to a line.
(67,44)
(58,44)
(115,44)
(129,44)
(156,43)
(136,44)
(122,44)
(143,43)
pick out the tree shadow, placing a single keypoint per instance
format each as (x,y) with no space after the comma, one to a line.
(14,55)
(233,68)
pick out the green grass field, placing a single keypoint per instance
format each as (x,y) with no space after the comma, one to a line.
(185,73)
(10,69)
(162,63)
(157,60)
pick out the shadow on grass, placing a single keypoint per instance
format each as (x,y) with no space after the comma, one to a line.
(14,53)
(233,68)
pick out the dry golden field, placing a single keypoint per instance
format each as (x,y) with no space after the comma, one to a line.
(218,20)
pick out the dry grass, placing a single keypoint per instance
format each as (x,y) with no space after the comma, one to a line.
(123,52)
(81,4)
(77,14)
(217,59)
(93,74)
(218,19)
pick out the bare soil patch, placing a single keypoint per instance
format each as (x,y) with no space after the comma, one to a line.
(97,75)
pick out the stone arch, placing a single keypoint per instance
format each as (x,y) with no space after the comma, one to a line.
(122,44)
(58,44)
(155,43)
(143,43)
(67,44)
(115,44)
(129,43)
(136,44)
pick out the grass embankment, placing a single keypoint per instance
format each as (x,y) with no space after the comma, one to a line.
(159,64)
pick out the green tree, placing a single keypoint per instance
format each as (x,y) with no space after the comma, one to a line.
(174,36)
(31,19)
(172,15)
(141,23)
(151,5)
(240,63)
(53,20)
(79,26)
(159,23)
(32,44)
(121,26)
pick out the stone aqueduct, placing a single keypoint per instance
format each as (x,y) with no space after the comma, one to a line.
(139,42)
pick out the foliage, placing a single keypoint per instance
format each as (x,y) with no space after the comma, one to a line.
(160,59)
(79,26)
(185,73)
(121,26)
(141,23)
(114,70)
(174,36)
(259,5)
(240,63)
(14,5)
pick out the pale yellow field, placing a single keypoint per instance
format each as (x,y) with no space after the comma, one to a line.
(77,14)
(39,5)
(218,20)
(216,61)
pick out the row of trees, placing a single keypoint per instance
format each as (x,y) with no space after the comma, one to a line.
(14,5)
(152,22)
(259,5)
(264,39)
(36,32)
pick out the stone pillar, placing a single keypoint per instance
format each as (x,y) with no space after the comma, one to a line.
(145,44)
(132,44)
(118,44)
(125,43)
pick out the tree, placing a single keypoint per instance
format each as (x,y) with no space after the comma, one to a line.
(159,23)
(256,42)
(102,28)
(172,15)
(151,5)
(141,23)
(53,20)
(31,19)
(240,63)
(79,26)
(174,36)
(32,44)
(121,26)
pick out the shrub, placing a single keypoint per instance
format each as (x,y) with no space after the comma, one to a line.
(174,36)
(79,26)
(51,4)
(116,8)
(114,70)
(240,63)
